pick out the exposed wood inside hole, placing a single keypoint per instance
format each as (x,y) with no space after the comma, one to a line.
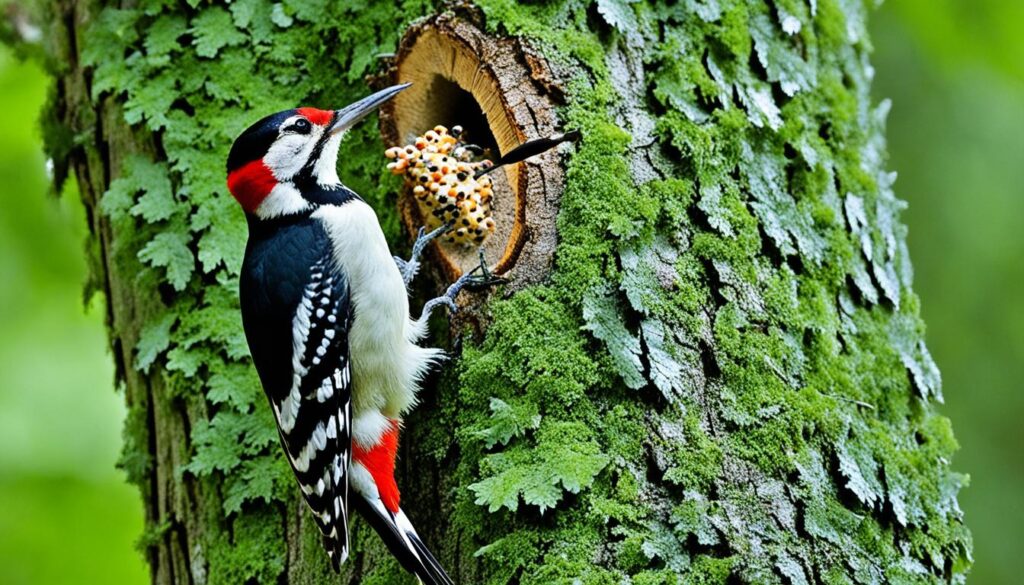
(488,86)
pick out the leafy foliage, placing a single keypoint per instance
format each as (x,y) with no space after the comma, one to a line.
(565,458)
(508,421)
(195,76)
(725,378)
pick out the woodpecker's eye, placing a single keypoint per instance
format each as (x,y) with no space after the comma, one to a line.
(300,126)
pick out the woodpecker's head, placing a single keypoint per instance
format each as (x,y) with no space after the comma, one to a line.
(280,157)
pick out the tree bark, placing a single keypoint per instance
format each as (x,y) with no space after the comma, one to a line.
(709,366)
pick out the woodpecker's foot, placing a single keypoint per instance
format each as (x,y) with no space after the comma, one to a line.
(448,298)
(477,279)
(486,279)
(409,268)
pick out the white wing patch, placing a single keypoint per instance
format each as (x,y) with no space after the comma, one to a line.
(289,407)
(314,414)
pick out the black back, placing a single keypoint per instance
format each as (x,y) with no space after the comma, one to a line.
(275,272)
(288,269)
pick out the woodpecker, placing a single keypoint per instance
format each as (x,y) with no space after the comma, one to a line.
(326,316)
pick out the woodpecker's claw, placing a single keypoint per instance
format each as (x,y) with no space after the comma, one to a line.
(468,280)
(486,279)
(447,299)
(411,267)
(432,304)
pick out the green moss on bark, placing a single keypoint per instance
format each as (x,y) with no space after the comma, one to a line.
(774,288)
(723,380)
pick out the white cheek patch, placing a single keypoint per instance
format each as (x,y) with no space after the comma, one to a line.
(326,167)
(282,200)
(290,152)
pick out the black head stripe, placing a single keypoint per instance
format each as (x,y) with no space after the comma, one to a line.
(254,143)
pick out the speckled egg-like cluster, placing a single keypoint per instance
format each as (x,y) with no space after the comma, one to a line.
(441,168)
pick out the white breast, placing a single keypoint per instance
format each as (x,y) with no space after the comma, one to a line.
(387,365)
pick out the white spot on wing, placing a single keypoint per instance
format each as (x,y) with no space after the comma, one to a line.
(316,443)
(289,407)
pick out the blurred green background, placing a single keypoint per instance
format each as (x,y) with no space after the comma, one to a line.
(955,71)
(66,514)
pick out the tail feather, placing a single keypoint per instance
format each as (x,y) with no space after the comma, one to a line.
(399,535)
(337,551)
(437,573)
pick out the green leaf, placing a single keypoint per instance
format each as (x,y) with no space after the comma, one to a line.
(500,491)
(188,360)
(217,445)
(280,17)
(119,75)
(109,36)
(258,479)
(508,421)
(232,77)
(566,458)
(118,199)
(151,101)
(140,174)
(223,241)
(255,16)
(169,250)
(154,339)
(162,36)
(313,10)
(213,30)
(227,439)
(157,201)
(218,321)
(233,383)
(603,316)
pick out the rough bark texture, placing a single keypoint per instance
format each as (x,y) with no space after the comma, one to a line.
(721,379)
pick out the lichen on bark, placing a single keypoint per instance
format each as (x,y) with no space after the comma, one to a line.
(723,379)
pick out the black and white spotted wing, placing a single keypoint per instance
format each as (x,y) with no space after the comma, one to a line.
(298,336)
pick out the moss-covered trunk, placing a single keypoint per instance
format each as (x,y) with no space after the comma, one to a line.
(721,379)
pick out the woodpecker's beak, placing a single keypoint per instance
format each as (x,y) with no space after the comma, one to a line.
(349,115)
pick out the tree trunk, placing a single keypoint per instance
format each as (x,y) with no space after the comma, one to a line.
(709,365)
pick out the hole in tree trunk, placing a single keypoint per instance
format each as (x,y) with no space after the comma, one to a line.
(451,106)
(490,87)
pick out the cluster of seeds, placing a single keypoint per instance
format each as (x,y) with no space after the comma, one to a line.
(442,171)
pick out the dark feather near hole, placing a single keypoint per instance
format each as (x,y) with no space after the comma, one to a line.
(531,148)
